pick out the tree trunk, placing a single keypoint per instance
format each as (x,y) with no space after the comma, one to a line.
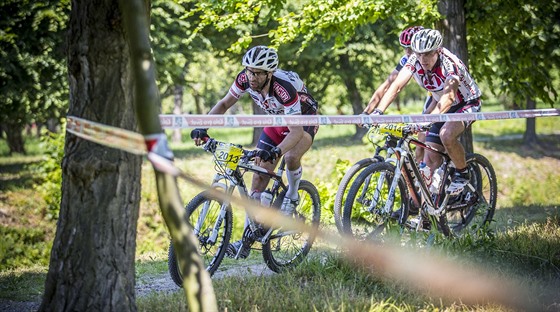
(530,135)
(14,137)
(177,109)
(257,110)
(353,92)
(454,31)
(454,28)
(92,259)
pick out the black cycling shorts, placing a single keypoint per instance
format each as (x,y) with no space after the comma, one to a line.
(472,106)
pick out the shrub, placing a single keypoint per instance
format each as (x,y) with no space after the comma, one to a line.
(49,172)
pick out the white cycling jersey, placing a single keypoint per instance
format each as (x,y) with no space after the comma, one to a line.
(287,94)
(447,66)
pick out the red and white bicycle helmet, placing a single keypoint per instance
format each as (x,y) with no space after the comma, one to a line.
(406,35)
(261,57)
(426,40)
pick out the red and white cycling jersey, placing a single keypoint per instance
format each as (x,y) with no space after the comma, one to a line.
(287,95)
(447,66)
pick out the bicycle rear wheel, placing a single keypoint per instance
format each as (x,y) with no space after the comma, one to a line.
(479,198)
(286,248)
(344,187)
(212,227)
(364,216)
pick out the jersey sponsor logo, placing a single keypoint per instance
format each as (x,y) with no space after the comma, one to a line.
(243,78)
(432,82)
(281,92)
(291,110)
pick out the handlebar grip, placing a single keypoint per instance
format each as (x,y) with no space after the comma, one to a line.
(250,154)
(209,144)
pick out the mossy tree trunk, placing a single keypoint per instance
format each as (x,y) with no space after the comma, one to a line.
(92,259)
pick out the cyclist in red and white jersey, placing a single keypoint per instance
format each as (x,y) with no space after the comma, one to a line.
(371,109)
(277,92)
(454,91)
(404,39)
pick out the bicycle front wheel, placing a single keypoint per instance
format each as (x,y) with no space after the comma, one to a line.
(212,225)
(344,187)
(370,211)
(478,200)
(286,248)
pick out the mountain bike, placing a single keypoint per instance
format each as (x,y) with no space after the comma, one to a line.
(212,219)
(352,172)
(381,196)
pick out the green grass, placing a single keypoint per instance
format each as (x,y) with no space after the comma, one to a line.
(523,245)
(24,284)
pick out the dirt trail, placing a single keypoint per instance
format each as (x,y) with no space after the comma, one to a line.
(162,282)
(146,285)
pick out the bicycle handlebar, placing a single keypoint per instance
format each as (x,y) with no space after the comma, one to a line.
(211,144)
(400,130)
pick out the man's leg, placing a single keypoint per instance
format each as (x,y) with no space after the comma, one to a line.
(419,152)
(294,172)
(433,160)
(449,135)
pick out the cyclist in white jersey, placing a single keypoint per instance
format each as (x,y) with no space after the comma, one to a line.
(454,91)
(371,109)
(277,92)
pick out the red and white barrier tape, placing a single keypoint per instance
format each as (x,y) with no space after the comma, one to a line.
(134,142)
(233,121)
(118,138)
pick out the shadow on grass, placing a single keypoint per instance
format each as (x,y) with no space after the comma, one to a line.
(527,245)
(511,216)
(15,175)
(184,151)
(547,145)
(25,286)
(347,140)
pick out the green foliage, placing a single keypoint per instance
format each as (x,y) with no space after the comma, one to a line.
(340,19)
(520,56)
(49,172)
(21,247)
(32,69)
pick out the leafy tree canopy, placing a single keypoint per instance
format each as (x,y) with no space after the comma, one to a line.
(33,80)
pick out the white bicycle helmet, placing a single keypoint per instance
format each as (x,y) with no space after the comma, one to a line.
(426,40)
(261,57)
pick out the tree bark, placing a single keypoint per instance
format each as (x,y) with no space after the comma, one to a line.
(454,28)
(257,110)
(14,137)
(92,258)
(454,31)
(178,91)
(530,135)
